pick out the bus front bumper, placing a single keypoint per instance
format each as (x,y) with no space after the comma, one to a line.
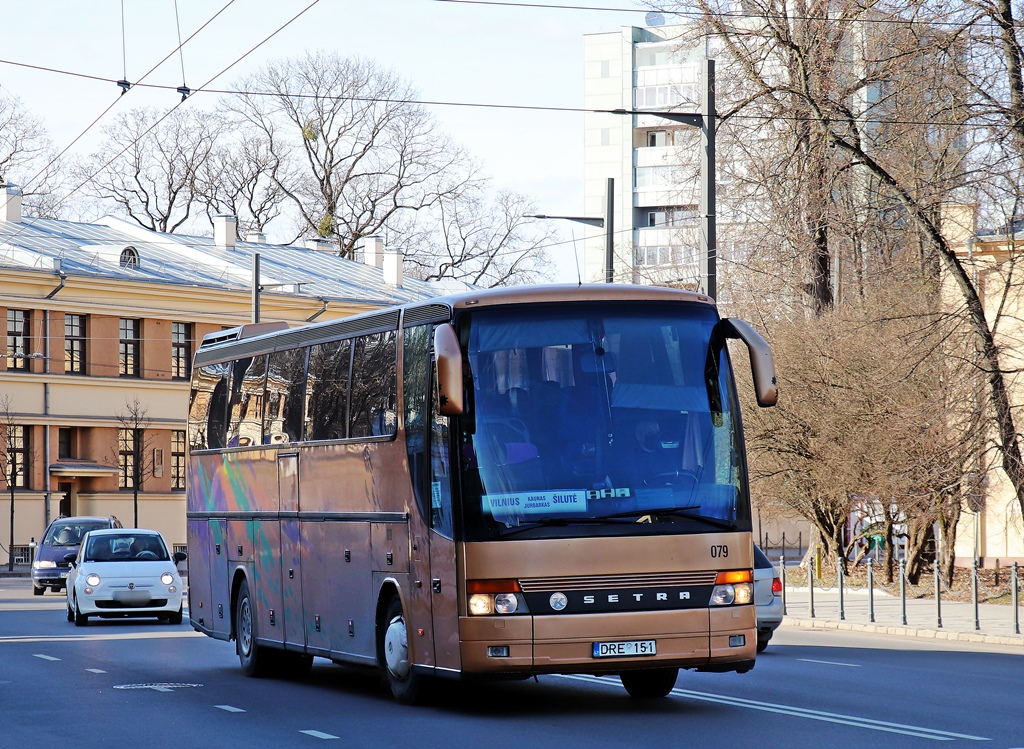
(704,639)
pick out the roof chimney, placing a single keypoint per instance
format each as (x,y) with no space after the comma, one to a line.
(320,245)
(373,251)
(257,237)
(393,260)
(225,231)
(10,203)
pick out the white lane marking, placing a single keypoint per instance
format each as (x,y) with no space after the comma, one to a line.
(319,734)
(830,663)
(99,637)
(229,709)
(95,670)
(800,712)
(45,657)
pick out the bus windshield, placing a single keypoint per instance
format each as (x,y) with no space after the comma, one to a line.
(621,416)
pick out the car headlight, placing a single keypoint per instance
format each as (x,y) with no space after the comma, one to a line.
(733,587)
(92,579)
(43,564)
(167,578)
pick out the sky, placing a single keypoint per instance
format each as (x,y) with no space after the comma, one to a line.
(449,51)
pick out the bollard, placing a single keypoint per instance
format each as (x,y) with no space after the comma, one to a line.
(974,593)
(903,593)
(1013,598)
(782,579)
(839,574)
(810,583)
(871,591)
(938,595)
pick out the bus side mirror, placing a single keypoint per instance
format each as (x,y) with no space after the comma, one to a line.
(448,369)
(762,364)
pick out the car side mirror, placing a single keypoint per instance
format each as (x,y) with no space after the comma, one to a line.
(70,558)
(179,556)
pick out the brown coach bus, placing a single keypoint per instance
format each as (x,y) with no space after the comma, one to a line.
(498,484)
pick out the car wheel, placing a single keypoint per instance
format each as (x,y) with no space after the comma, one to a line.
(71,613)
(762,642)
(174,618)
(80,619)
(393,646)
(255,660)
(55,589)
(649,683)
(38,591)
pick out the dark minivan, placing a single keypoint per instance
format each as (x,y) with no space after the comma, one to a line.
(63,537)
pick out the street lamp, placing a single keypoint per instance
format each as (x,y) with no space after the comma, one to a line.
(607,223)
(706,123)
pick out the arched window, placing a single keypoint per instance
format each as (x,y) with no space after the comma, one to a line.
(129,258)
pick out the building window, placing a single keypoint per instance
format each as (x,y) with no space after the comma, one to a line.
(74,344)
(657,138)
(129,258)
(64,443)
(177,459)
(181,350)
(127,447)
(17,455)
(18,340)
(130,345)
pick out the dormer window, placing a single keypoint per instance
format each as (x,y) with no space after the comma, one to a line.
(130,258)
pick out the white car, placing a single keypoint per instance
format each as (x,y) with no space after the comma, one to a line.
(124,572)
(767,598)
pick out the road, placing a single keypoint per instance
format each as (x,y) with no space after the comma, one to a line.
(144,684)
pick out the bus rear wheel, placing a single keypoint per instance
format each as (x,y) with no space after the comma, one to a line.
(405,684)
(649,683)
(255,660)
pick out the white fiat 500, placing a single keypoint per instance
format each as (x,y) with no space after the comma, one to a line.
(124,572)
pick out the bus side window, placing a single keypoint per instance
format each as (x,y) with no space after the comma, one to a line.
(285,412)
(207,418)
(440,470)
(415,368)
(246,417)
(374,385)
(329,365)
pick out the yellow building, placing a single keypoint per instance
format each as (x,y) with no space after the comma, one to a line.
(101,321)
(993,531)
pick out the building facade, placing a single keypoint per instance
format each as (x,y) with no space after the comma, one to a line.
(101,321)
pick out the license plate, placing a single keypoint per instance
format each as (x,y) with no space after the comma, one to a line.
(63,575)
(625,649)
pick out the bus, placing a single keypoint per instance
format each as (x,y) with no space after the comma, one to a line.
(492,485)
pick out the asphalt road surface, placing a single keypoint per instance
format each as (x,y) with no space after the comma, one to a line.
(139,684)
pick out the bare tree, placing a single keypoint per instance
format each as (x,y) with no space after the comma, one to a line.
(480,241)
(361,151)
(28,158)
(243,179)
(150,164)
(133,450)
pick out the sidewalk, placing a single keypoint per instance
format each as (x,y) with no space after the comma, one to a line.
(995,622)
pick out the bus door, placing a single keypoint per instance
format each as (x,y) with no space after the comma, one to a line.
(291,544)
(443,569)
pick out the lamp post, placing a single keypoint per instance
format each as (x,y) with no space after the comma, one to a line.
(607,223)
(705,121)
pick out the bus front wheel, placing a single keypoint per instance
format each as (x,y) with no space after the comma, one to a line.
(253,659)
(402,680)
(649,683)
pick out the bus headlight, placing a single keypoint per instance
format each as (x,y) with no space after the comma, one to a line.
(494,597)
(733,587)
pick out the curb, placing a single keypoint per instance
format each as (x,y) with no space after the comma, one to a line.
(931,634)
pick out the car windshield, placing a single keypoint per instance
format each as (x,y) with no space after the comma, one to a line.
(71,532)
(110,547)
(606,413)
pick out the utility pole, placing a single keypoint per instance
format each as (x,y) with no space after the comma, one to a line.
(607,223)
(705,121)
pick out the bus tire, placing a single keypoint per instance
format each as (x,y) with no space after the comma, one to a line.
(255,660)
(403,681)
(649,683)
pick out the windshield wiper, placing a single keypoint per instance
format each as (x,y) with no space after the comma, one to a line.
(682,512)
